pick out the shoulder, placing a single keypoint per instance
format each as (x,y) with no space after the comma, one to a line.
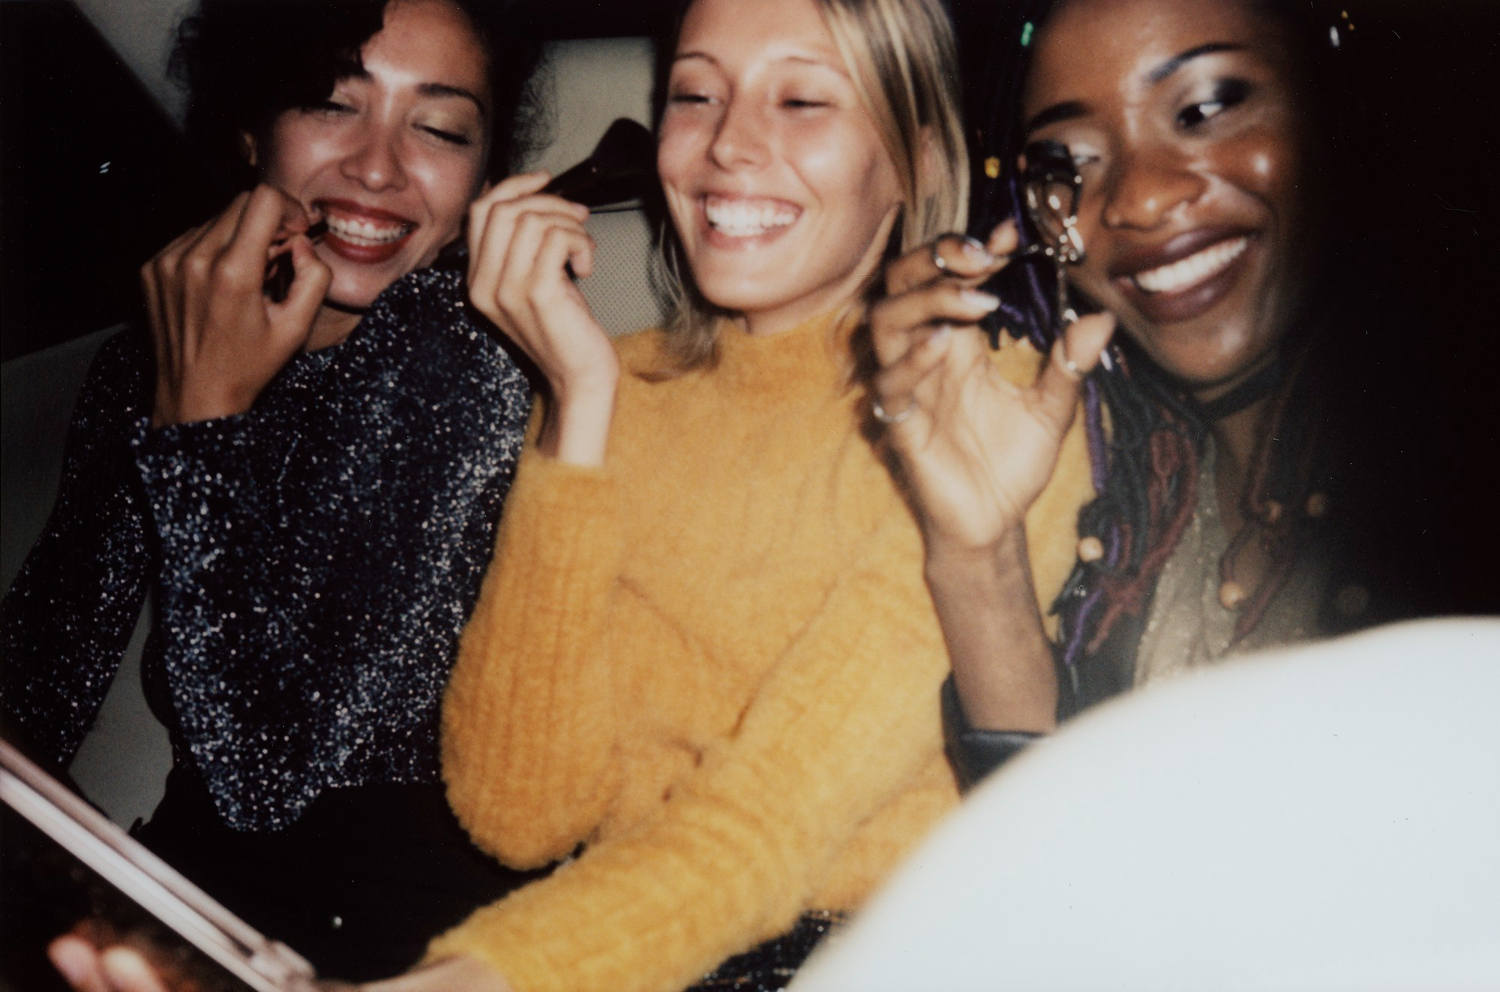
(119,380)
(422,340)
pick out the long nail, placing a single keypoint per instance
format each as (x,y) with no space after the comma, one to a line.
(975,251)
(980,300)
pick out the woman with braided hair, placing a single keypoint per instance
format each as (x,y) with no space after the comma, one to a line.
(1224,494)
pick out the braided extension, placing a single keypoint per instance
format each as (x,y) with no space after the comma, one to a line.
(1150,482)
(1146,463)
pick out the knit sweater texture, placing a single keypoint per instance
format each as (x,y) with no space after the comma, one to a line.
(713,664)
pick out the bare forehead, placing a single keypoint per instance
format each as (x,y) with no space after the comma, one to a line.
(732,33)
(1093,44)
(428,42)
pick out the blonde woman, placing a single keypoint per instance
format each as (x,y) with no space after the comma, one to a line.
(704,654)
(704,659)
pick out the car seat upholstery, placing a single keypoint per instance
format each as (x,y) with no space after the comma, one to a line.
(584,85)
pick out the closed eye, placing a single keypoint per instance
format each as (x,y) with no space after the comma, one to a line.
(330,106)
(452,137)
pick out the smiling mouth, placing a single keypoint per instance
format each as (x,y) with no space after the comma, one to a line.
(1197,268)
(366,233)
(747,218)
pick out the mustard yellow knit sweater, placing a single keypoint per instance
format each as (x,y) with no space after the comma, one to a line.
(714,664)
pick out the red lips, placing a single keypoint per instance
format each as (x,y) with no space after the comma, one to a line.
(341,214)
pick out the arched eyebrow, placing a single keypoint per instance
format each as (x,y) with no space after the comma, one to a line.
(444,90)
(792,57)
(441,90)
(1073,108)
(1066,110)
(1171,65)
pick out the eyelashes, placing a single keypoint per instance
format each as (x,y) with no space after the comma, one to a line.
(451,137)
(1227,94)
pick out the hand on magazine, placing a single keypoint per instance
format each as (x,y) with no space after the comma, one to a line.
(90,964)
(94,958)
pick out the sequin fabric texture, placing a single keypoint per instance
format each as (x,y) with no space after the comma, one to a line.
(315,558)
(770,966)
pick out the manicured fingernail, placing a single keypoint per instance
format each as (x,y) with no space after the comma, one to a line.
(1002,236)
(940,332)
(980,300)
(975,250)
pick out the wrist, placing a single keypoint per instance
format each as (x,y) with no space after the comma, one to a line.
(998,649)
(578,421)
(999,566)
(190,407)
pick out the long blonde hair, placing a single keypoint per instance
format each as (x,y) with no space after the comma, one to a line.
(903,61)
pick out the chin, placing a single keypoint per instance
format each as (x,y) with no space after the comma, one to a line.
(736,292)
(358,293)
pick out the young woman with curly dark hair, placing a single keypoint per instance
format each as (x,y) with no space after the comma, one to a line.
(309,482)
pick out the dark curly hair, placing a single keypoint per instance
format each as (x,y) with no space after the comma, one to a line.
(243,62)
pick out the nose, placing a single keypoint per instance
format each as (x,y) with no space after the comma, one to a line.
(374,161)
(1146,187)
(740,139)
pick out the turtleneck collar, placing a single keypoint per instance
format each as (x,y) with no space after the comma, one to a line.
(817,350)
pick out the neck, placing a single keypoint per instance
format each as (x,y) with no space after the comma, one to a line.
(767,324)
(1236,438)
(331,326)
(1237,413)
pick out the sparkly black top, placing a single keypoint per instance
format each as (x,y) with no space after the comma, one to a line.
(316,557)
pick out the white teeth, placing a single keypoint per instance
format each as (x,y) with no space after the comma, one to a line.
(747,219)
(361,232)
(1193,269)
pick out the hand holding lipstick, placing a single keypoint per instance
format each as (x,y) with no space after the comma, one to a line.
(219,336)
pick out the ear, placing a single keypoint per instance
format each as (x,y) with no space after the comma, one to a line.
(248,149)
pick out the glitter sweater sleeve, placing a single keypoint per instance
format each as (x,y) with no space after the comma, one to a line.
(321,552)
(70,613)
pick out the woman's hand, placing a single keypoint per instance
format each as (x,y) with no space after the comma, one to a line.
(219,340)
(524,248)
(976,450)
(110,969)
(118,968)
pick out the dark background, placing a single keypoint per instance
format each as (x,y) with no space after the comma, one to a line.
(94,180)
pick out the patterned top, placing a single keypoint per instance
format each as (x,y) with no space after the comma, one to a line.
(316,557)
